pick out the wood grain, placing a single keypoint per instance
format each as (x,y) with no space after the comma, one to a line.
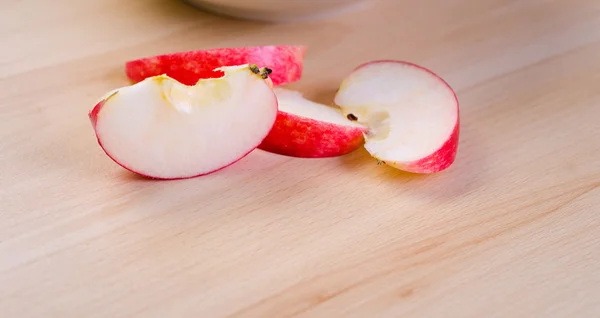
(511,230)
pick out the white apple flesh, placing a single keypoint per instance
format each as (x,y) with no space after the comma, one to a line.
(163,129)
(412,114)
(308,129)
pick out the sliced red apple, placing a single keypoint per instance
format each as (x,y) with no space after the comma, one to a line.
(412,114)
(311,130)
(163,129)
(286,61)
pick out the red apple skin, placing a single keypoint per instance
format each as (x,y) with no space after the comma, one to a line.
(93,115)
(286,61)
(303,137)
(445,156)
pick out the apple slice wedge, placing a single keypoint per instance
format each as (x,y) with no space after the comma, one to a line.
(412,114)
(286,62)
(311,130)
(162,129)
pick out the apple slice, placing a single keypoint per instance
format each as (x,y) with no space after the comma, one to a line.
(412,114)
(163,129)
(310,130)
(286,61)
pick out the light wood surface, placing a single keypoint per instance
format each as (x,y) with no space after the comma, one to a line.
(511,230)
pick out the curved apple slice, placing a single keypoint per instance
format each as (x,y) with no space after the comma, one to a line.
(163,129)
(412,114)
(311,130)
(286,61)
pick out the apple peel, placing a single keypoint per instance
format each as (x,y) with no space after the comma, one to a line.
(307,129)
(188,67)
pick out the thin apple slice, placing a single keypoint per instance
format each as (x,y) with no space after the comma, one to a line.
(412,114)
(163,129)
(310,130)
(286,61)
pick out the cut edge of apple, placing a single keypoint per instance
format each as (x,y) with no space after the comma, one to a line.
(412,114)
(295,104)
(160,128)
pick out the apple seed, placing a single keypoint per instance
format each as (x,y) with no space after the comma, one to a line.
(352,117)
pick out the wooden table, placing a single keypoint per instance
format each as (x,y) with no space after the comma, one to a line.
(511,230)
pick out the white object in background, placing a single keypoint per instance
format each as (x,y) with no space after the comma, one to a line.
(278,10)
